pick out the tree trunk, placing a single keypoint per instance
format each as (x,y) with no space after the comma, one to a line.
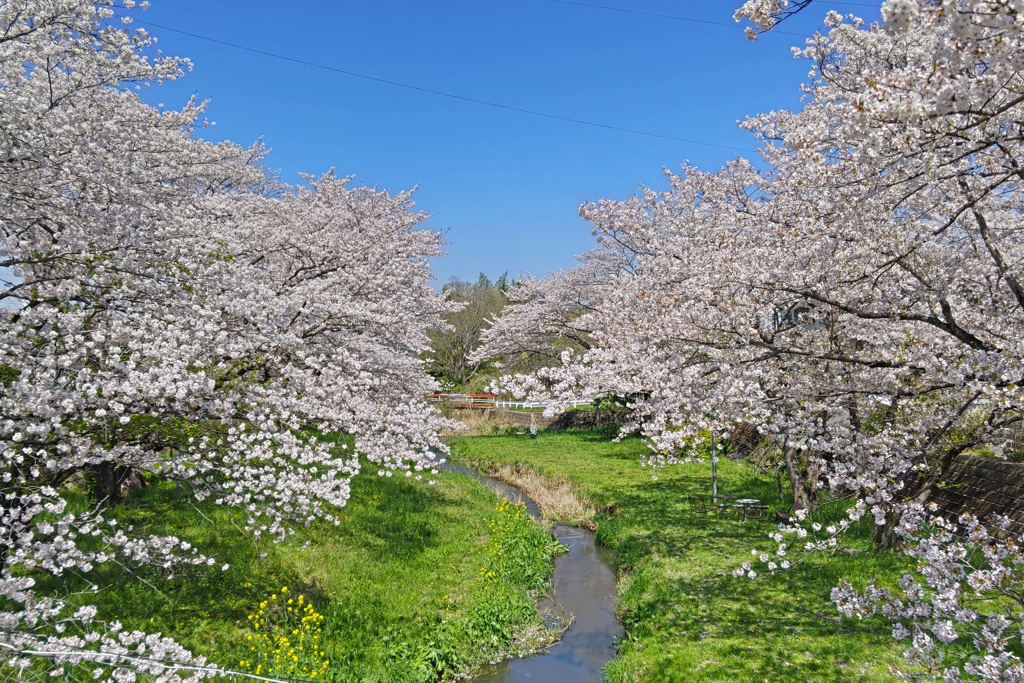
(109,483)
(802,478)
(919,490)
(884,535)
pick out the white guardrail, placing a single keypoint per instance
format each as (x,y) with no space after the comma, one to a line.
(483,401)
(521,404)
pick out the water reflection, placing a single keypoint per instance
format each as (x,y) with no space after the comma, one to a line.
(583,584)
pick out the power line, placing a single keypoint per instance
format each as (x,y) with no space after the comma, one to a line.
(666,16)
(702,21)
(439,93)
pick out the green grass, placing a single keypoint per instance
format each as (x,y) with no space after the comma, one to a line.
(409,584)
(686,617)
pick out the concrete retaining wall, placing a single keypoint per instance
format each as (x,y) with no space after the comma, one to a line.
(587,419)
(982,487)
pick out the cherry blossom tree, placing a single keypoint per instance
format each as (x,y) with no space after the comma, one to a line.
(929,112)
(912,125)
(859,299)
(544,316)
(315,327)
(170,309)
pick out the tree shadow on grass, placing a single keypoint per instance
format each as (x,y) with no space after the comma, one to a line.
(783,625)
(662,510)
(780,628)
(396,518)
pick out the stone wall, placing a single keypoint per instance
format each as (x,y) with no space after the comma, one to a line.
(982,487)
(588,419)
(520,418)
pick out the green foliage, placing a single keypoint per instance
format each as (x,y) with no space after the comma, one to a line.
(397,584)
(448,359)
(517,555)
(8,374)
(686,617)
(517,550)
(285,641)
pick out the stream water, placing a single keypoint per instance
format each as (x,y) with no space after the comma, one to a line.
(583,585)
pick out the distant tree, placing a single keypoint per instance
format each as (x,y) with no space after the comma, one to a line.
(450,358)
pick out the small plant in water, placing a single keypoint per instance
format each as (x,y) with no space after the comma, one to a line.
(516,556)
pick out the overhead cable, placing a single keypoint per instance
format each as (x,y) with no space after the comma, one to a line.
(701,21)
(439,93)
(665,16)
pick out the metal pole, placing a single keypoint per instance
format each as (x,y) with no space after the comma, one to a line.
(714,469)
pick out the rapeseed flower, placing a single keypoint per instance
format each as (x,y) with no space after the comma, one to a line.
(284,641)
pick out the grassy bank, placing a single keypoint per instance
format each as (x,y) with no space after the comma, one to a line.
(417,583)
(687,617)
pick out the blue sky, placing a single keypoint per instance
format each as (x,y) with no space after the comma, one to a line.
(503,186)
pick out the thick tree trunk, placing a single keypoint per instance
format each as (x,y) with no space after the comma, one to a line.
(919,490)
(110,483)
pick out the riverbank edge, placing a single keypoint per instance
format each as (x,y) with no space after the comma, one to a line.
(687,617)
(562,502)
(559,500)
(207,610)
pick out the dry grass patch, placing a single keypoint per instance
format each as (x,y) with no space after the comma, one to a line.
(559,499)
(479,423)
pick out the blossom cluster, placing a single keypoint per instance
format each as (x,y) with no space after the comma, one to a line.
(169,308)
(545,317)
(961,613)
(857,295)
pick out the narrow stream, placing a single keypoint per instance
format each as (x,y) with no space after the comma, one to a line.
(583,585)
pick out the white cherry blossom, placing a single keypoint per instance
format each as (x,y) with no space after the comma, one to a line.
(171,309)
